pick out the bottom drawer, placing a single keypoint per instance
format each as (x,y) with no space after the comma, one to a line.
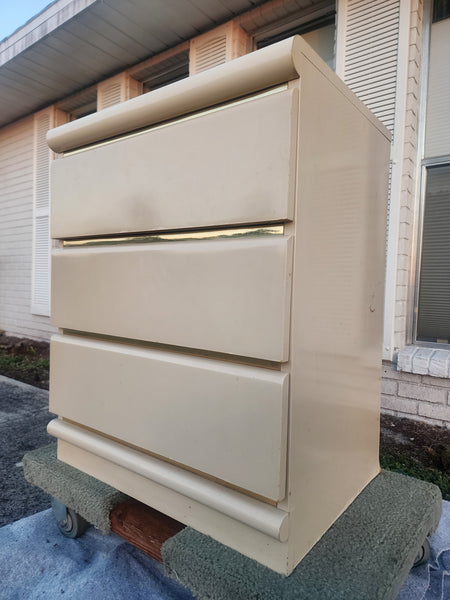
(225,420)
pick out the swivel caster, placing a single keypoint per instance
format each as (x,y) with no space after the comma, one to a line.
(69,523)
(423,555)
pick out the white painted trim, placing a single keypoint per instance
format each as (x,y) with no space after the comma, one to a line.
(36,308)
(396,181)
(341,32)
(421,164)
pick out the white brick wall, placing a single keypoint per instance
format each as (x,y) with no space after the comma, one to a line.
(407,199)
(419,397)
(424,361)
(16,211)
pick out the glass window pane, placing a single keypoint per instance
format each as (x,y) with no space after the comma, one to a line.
(441,10)
(319,33)
(433,323)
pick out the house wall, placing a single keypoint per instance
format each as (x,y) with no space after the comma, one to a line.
(414,395)
(407,199)
(408,390)
(418,397)
(16,233)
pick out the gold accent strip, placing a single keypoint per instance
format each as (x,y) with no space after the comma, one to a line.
(238,232)
(201,113)
(244,360)
(171,462)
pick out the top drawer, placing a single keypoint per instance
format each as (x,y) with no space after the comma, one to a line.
(232,165)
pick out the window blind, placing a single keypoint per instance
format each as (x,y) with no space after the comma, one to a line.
(433,323)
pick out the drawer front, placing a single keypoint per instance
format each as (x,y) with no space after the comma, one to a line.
(228,296)
(228,421)
(232,166)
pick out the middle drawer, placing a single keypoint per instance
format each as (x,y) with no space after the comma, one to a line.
(225,296)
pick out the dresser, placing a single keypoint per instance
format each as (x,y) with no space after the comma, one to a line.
(217,283)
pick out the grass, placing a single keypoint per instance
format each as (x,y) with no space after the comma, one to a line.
(408,466)
(23,368)
(25,360)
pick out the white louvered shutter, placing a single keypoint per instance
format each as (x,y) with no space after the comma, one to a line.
(369,53)
(40,297)
(117,89)
(216,47)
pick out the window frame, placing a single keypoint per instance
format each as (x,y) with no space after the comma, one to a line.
(420,190)
(426,163)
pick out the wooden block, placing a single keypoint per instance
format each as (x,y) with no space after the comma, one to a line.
(143,527)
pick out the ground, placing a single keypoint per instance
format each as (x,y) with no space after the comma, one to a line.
(417,449)
(24,360)
(414,448)
(23,420)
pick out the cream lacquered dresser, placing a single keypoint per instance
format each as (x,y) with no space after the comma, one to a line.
(218,284)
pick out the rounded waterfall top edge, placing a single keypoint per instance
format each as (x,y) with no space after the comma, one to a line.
(249,74)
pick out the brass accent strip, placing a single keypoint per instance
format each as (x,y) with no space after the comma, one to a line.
(172,462)
(238,232)
(234,358)
(189,117)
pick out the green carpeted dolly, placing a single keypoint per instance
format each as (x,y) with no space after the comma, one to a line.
(82,495)
(365,555)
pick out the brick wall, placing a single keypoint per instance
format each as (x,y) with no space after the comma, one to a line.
(404,394)
(407,194)
(418,397)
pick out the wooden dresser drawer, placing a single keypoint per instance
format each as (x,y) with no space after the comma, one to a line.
(227,296)
(235,165)
(226,420)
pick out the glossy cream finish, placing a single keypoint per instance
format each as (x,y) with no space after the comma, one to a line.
(232,531)
(194,411)
(249,74)
(263,517)
(326,336)
(228,296)
(337,309)
(179,177)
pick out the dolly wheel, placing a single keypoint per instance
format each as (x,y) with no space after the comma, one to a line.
(423,555)
(69,523)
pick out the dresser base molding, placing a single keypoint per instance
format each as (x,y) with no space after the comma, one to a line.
(263,517)
(233,533)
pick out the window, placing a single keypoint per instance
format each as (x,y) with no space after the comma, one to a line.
(441,10)
(165,68)
(79,105)
(319,33)
(433,323)
(167,71)
(433,298)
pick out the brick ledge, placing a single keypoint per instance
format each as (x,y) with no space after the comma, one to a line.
(424,361)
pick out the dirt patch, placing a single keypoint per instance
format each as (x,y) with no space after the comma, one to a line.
(25,360)
(417,449)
